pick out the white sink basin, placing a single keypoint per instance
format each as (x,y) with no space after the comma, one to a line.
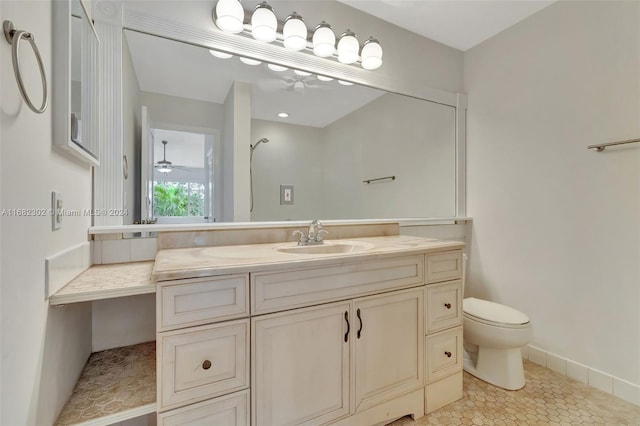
(328,247)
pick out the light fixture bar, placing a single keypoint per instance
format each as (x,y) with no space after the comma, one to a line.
(247,32)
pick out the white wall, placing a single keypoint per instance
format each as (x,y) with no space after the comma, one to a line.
(43,348)
(131,135)
(293,156)
(236,139)
(397,136)
(556,230)
(408,57)
(175,113)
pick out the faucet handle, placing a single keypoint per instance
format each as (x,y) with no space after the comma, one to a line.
(319,234)
(303,238)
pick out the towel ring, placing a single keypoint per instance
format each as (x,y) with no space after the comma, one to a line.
(14,36)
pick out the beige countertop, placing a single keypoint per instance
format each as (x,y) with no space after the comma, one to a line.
(107,281)
(182,263)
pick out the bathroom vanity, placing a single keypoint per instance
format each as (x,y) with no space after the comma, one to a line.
(352,332)
(251,328)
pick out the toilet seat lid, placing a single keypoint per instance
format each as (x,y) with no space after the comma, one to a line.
(493,312)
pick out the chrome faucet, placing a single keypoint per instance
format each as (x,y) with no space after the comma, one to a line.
(314,235)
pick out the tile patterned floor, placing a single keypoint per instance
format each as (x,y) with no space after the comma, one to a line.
(548,398)
(112,381)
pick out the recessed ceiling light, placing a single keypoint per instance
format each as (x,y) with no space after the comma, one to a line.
(345,83)
(277,68)
(249,61)
(283,115)
(323,78)
(220,55)
(302,73)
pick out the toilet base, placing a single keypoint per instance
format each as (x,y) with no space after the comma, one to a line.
(500,367)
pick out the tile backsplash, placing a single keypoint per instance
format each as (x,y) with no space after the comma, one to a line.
(124,250)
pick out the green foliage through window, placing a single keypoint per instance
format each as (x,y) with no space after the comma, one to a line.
(178,199)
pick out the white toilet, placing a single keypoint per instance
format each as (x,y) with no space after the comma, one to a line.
(493,336)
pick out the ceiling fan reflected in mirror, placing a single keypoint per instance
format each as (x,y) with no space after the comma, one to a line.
(296,83)
(165,166)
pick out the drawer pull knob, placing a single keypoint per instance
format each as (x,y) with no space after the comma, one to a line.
(447,305)
(448,354)
(206,364)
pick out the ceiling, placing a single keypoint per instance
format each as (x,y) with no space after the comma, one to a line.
(191,72)
(460,24)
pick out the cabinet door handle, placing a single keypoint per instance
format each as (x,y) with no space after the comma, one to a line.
(448,354)
(346,318)
(447,305)
(206,364)
(359,318)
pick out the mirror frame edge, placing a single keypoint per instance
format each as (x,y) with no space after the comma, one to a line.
(61,85)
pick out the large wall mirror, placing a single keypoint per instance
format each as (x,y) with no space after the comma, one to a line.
(219,139)
(192,136)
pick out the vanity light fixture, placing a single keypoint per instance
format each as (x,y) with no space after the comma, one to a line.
(264,26)
(324,40)
(283,115)
(264,23)
(276,68)
(220,55)
(249,61)
(229,16)
(371,54)
(348,47)
(294,32)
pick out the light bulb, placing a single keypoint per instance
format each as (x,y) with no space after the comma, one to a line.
(302,73)
(324,78)
(220,55)
(294,32)
(348,48)
(371,54)
(249,61)
(229,16)
(264,23)
(283,115)
(345,83)
(277,68)
(324,40)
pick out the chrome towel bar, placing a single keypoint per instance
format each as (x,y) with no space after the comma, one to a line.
(602,146)
(14,36)
(377,179)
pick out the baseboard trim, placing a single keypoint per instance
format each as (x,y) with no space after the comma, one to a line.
(605,382)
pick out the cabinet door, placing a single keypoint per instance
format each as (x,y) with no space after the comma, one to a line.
(389,346)
(300,365)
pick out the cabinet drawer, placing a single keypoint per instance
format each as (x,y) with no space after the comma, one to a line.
(290,289)
(202,362)
(228,410)
(444,266)
(444,354)
(201,301)
(444,306)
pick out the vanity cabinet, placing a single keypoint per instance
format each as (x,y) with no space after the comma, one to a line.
(332,340)
(202,350)
(443,325)
(307,362)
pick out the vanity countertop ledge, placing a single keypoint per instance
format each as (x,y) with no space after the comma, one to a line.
(129,279)
(172,264)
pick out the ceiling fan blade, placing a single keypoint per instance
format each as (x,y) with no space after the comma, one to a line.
(273,85)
